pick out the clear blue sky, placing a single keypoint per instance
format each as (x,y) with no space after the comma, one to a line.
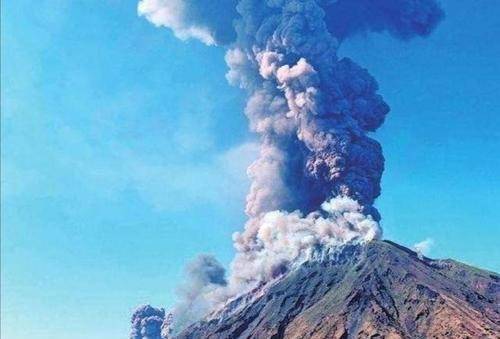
(124,154)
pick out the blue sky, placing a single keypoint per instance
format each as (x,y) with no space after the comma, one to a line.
(124,153)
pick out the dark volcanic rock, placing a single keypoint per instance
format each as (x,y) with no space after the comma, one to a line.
(381,290)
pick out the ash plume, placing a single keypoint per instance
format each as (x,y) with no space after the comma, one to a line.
(319,170)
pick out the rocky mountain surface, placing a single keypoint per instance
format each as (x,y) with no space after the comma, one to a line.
(380,290)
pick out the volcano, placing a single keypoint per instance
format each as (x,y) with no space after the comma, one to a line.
(376,290)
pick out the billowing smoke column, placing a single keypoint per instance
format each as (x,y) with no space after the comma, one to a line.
(318,174)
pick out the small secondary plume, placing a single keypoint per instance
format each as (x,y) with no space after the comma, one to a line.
(319,170)
(204,277)
(147,322)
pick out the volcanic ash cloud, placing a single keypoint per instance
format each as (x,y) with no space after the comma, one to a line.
(318,173)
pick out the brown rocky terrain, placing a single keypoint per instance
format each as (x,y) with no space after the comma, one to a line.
(380,290)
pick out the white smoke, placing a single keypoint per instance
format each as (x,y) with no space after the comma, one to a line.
(192,18)
(172,14)
(285,239)
(423,247)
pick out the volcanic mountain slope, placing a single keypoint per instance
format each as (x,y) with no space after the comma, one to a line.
(380,290)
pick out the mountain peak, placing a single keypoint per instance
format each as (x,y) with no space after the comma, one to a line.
(377,290)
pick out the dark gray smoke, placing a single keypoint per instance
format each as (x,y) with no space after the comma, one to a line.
(319,170)
(314,111)
(146,322)
(404,19)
